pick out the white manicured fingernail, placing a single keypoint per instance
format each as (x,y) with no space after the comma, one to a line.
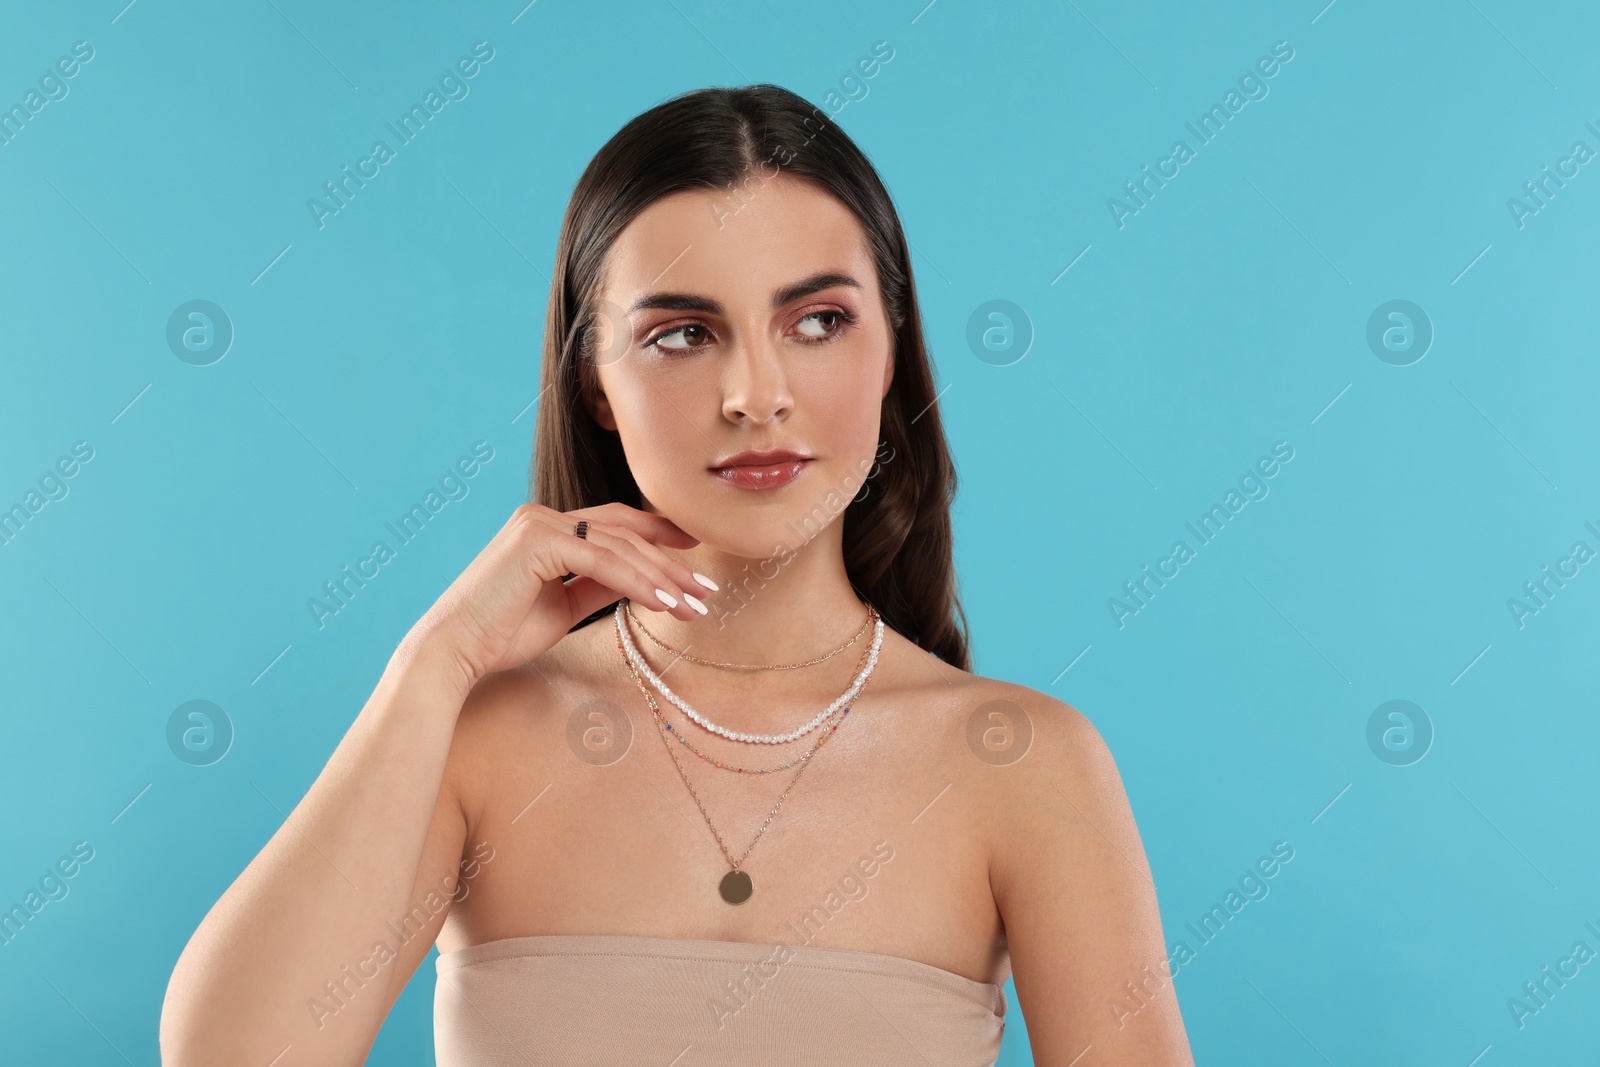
(666,598)
(695,604)
(707,582)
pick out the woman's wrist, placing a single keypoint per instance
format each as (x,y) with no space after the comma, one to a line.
(426,661)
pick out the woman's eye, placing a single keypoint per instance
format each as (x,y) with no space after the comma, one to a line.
(677,340)
(813,318)
(693,335)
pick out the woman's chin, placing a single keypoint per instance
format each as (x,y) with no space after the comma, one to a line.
(743,535)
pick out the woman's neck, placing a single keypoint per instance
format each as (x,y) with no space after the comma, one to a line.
(774,616)
(784,609)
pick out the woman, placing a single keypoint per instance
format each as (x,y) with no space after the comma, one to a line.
(688,765)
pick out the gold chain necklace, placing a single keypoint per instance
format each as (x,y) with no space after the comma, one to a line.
(643,666)
(735,886)
(871,614)
(836,719)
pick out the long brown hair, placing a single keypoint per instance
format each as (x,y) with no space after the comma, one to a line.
(897,536)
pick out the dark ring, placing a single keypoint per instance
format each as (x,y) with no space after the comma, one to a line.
(583,529)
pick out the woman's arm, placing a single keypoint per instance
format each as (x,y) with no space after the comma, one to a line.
(1074,890)
(304,916)
(302,921)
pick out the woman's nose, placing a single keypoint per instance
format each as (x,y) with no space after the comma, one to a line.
(756,384)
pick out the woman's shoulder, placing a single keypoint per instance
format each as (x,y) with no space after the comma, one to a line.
(1018,748)
(1005,722)
(538,686)
(1047,720)
(510,715)
(1031,766)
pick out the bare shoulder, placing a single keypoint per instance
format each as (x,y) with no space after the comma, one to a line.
(1023,753)
(1070,879)
(1033,736)
(1039,740)
(501,729)
(508,700)
(1060,728)
(1044,773)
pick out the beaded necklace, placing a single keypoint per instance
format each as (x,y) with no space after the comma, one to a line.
(736,886)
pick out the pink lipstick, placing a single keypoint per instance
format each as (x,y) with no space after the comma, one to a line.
(761,470)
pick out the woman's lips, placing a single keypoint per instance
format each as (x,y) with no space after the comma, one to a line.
(761,475)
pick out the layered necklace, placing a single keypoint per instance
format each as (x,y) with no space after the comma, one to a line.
(635,659)
(736,886)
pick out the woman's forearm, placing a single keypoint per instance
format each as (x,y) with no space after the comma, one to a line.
(319,894)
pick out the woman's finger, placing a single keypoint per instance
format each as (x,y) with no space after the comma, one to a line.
(680,600)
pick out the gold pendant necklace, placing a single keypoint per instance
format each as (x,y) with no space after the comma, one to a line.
(736,886)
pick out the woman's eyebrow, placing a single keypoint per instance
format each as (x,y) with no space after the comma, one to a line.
(669,301)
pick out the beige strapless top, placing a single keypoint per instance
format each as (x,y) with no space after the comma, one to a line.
(571,999)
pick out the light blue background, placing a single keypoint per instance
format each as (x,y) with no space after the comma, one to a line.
(1228,314)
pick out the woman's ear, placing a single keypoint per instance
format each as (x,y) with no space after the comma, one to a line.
(600,408)
(594,399)
(888,370)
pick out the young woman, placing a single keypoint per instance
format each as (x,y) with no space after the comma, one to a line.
(688,765)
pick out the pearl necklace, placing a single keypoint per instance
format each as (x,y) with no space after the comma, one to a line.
(848,695)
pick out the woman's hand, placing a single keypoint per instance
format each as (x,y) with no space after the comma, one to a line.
(511,604)
(385,797)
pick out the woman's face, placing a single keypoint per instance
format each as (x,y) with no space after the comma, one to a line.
(744,321)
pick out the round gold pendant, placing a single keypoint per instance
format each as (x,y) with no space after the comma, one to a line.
(736,887)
